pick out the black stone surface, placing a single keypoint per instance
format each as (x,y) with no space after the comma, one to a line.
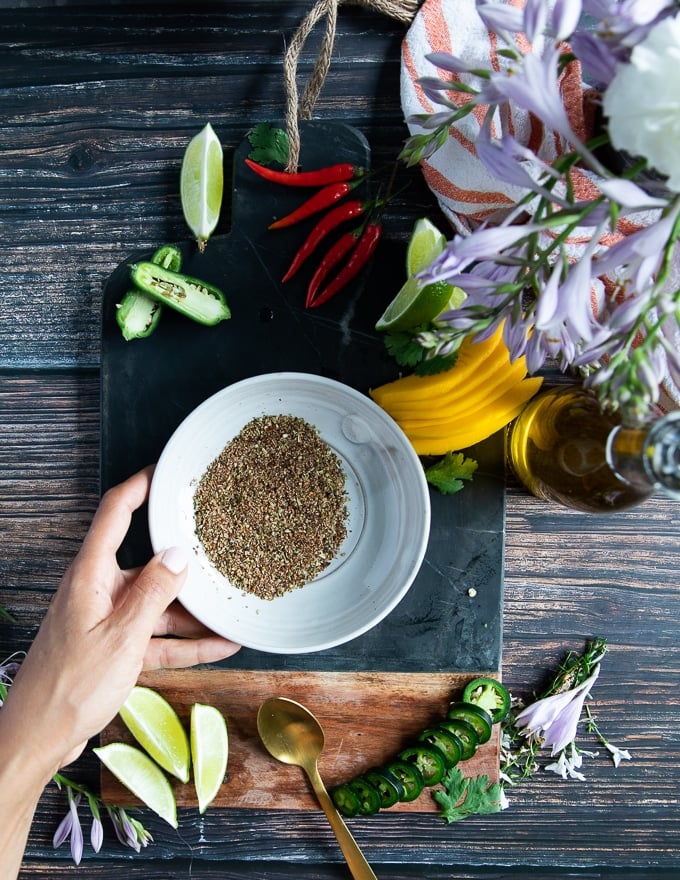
(451,619)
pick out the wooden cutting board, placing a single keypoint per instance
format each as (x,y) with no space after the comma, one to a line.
(366,717)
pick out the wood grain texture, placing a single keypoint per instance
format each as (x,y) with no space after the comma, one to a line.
(367,718)
(96,106)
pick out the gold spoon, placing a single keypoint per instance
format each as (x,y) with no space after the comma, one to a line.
(291,734)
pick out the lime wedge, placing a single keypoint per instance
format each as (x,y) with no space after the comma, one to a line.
(209,752)
(142,777)
(157,728)
(426,243)
(418,303)
(201,184)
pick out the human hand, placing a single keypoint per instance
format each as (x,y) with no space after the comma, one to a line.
(103,627)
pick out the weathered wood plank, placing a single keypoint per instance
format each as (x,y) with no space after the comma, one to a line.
(627,816)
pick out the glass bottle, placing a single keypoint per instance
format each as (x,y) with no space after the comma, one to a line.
(564,449)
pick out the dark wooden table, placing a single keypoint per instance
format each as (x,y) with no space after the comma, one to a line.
(97,102)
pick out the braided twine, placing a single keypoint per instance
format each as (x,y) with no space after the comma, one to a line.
(401,10)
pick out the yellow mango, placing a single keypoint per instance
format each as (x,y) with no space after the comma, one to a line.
(471,356)
(446,409)
(473,430)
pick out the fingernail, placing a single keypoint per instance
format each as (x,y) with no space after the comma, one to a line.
(175,559)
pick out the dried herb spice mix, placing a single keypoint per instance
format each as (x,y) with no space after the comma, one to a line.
(271,509)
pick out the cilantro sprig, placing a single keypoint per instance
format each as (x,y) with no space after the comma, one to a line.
(461,797)
(448,473)
(269,144)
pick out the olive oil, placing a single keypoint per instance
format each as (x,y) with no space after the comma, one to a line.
(564,449)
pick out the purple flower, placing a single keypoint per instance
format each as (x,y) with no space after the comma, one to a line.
(70,828)
(555,718)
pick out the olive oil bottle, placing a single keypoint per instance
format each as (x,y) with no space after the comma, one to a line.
(564,449)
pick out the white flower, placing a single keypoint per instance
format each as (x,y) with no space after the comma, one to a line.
(618,754)
(642,102)
(568,765)
(556,718)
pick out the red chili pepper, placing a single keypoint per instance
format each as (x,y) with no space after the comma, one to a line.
(320,177)
(328,222)
(362,244)
(324,198)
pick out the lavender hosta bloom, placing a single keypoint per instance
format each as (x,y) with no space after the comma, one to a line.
(555,718)
(70,829)
(534,87)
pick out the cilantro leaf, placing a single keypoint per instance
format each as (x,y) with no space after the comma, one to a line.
(462,797)
(407,352)
(438,364)
(404,349)
(269,144)
(448,473)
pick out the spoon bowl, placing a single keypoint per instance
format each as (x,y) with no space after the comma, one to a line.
(292,735)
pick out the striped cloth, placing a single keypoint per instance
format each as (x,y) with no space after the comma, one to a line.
(466,192)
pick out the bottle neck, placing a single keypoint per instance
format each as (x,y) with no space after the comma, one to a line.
(648,456)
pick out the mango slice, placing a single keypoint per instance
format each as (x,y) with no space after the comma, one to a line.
(450,411)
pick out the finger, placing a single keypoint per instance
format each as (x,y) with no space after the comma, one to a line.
(177,621)
(180,653)
(149,595)
(113,517)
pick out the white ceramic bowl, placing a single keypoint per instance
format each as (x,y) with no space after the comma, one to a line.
(388,515)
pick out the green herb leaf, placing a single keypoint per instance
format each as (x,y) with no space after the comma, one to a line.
(269,144)
(438,364)
(448,473)
(462,797)
(5,615)
(404,349)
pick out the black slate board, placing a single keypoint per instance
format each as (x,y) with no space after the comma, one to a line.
(451,619)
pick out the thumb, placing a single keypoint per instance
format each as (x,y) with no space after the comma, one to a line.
(156,586)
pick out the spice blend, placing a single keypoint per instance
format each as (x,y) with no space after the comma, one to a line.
(271,509)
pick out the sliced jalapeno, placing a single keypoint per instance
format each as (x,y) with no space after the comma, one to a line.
(491,695)
(479,718)
(369,798)
(428,759)
(447,743)
(388,786)
(465,733)
(191,297)
(169,257)
(410,778)
(138,314)
(346,800)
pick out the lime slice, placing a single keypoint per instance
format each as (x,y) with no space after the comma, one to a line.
(426,243)
(417,304)
(142,777)
(201,184)
(157,728)
(209,752)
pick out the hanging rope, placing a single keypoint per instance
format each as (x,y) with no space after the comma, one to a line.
(402,10)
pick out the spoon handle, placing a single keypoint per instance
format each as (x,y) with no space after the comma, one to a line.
(356,860)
